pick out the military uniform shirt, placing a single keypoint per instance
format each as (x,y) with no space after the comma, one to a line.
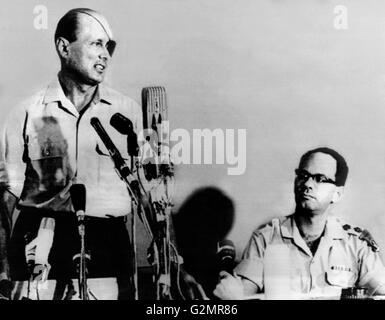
(342,259)
(47,146)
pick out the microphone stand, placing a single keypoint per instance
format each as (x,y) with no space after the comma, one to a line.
(83,287)
(156,220)
(161,239)
(134,209)
(84,291)
(139,200)
(162,243)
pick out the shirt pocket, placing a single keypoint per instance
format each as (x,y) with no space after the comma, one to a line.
(341,276)
(48,162)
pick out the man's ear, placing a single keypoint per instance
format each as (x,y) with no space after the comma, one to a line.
(337,195)
(62,47)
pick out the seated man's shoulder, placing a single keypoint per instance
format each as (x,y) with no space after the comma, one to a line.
(267,228)
(359,234)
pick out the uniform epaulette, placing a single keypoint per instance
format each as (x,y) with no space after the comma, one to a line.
(362,234)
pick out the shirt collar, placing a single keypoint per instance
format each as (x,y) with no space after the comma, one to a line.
(333,229)
(102,95)
(287,226)
(289,229)
(55,93)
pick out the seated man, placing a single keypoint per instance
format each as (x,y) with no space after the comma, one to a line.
(309,253)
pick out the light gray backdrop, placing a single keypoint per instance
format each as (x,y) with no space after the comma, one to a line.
(278,68)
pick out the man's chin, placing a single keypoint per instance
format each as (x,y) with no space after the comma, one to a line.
(98,78)
(305,206)
(94,78)
(94,81)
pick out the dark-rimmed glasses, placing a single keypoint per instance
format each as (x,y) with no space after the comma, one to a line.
(303,175)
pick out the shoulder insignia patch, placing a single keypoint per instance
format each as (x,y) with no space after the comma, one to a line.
(346,227)
(367,237)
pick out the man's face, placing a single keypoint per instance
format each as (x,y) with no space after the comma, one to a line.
(88,57)
(315,193)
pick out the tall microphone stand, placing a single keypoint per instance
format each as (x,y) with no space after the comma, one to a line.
(153,215)
(162,243)
(84,291)
(134,209)
(78,196)
(132,185)
(83,287)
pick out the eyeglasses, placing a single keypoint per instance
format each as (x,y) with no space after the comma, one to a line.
(303,175)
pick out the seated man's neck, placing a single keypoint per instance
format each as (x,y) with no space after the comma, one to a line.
(79,94)
(309,223)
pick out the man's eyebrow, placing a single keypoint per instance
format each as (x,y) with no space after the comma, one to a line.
(98,40)
(320,174)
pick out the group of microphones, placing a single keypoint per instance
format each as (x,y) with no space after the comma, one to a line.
(123,125)
(37,251)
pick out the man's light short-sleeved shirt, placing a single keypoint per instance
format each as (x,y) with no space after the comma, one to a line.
(342,259)
(47,146)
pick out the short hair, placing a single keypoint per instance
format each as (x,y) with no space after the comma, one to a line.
(67,26)
(342,167)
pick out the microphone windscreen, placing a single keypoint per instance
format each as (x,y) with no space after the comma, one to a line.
(226,255)
(78,196)
(121,123)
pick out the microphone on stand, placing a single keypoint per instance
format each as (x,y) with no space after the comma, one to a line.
(78,197)
(153,169)
(120,165)
(124,126)
(226,256)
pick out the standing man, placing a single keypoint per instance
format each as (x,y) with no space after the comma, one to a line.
(309,253)
(49,145)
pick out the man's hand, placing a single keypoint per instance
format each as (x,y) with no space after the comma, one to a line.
(230,287)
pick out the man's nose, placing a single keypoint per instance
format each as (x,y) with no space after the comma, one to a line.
(105,54)
(309,182)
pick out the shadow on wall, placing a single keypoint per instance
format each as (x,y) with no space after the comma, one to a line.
(203,220)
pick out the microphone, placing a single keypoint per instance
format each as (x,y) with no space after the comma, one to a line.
(121,123)
(226,256)
(44,240)
(37,251)
(124,126)
(78,197)
(120,165)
